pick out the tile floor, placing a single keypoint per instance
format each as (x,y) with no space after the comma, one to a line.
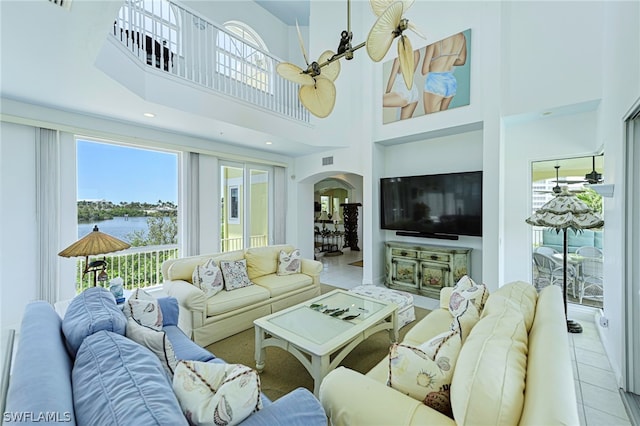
(599,401)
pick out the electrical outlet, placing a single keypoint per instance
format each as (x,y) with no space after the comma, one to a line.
(604,322)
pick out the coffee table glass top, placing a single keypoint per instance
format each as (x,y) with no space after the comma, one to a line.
(313,320)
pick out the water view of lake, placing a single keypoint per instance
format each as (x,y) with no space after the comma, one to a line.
(118,227)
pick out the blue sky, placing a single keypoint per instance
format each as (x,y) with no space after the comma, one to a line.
(118,173)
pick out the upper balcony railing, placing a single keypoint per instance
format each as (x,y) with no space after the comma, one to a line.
(169,37)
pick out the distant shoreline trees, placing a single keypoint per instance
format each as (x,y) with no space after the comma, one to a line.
(89,211)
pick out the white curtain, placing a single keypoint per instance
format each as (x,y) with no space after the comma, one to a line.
(191,209)
(280,205)
(47,208)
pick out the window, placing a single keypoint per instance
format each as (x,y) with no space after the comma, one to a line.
(240,56)
(129,193)
(245,209)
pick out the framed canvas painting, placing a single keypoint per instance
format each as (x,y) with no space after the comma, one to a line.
(441,80)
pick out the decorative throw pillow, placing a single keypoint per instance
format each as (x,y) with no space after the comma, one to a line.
(235,274)
(156,341)
(208,278)
(467,291)
(289,263)
(144,308)
(425,372)
(216,394)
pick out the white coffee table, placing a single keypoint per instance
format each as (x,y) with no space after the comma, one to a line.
(318,340)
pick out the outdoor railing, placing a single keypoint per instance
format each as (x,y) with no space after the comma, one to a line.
(142,266)
(231,244)
(137,266)
(180,42)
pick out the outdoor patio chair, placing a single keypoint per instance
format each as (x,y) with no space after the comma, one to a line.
(589,251)
(550,272)
(591,284)
(549,251)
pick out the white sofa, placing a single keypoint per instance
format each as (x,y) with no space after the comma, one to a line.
(229,312)
(496,380)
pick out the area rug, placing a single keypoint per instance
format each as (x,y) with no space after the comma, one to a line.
(357,263)
(284,373)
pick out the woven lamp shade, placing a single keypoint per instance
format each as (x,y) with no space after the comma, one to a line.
(565,211)
(94,243)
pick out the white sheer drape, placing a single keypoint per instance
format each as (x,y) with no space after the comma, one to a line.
(47,208)
(191,209)
(280,205)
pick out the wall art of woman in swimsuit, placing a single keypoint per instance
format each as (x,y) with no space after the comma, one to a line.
(440,84)
(397,94)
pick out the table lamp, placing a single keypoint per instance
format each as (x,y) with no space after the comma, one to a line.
(93,244)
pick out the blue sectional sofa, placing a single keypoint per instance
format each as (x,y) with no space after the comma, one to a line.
(94,375)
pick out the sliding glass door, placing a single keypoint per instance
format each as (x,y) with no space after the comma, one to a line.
(245,206)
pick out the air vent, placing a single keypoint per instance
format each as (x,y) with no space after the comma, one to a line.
(62,3)
(327,161)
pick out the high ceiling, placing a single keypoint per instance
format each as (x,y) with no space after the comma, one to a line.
(53,64)
(288,11)
(568,168)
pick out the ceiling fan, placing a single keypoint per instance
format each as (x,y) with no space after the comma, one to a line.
(317,91)
(557,189)
(593,177)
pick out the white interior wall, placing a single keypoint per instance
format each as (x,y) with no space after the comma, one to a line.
(621,90)
(553,54)
(435,156)
(18,274)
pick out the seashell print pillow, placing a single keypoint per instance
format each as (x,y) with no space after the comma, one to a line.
(144,308)
(208,278)
(289,263)
(425,372)
(215,393)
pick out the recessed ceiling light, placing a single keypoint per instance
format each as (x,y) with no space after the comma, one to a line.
(149,114)
(269,143)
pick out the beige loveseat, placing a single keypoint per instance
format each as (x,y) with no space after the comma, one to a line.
(229,312)
(497,380)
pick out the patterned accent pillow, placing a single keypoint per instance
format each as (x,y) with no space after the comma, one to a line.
(144,308)
(215,393)
(289,263)
(208,278)
(466,291)
(235,274)
(156,341)
(425,372)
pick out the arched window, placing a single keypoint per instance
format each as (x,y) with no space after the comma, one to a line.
(240,56)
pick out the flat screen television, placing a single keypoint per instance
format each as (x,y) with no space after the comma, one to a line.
(432,205)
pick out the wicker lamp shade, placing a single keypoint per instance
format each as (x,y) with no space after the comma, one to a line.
(94,243)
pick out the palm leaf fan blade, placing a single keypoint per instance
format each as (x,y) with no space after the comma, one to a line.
(320,98)
(301,42)
(382,33)
(332,70)
(379,6)
(293,73)
(405,57)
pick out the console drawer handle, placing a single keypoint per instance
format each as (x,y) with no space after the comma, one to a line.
(434,257)
(403,253)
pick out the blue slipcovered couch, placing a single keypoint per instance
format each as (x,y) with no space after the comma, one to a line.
(94,375)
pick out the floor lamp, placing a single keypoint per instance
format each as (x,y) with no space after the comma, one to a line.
(93,244)
(565,211)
